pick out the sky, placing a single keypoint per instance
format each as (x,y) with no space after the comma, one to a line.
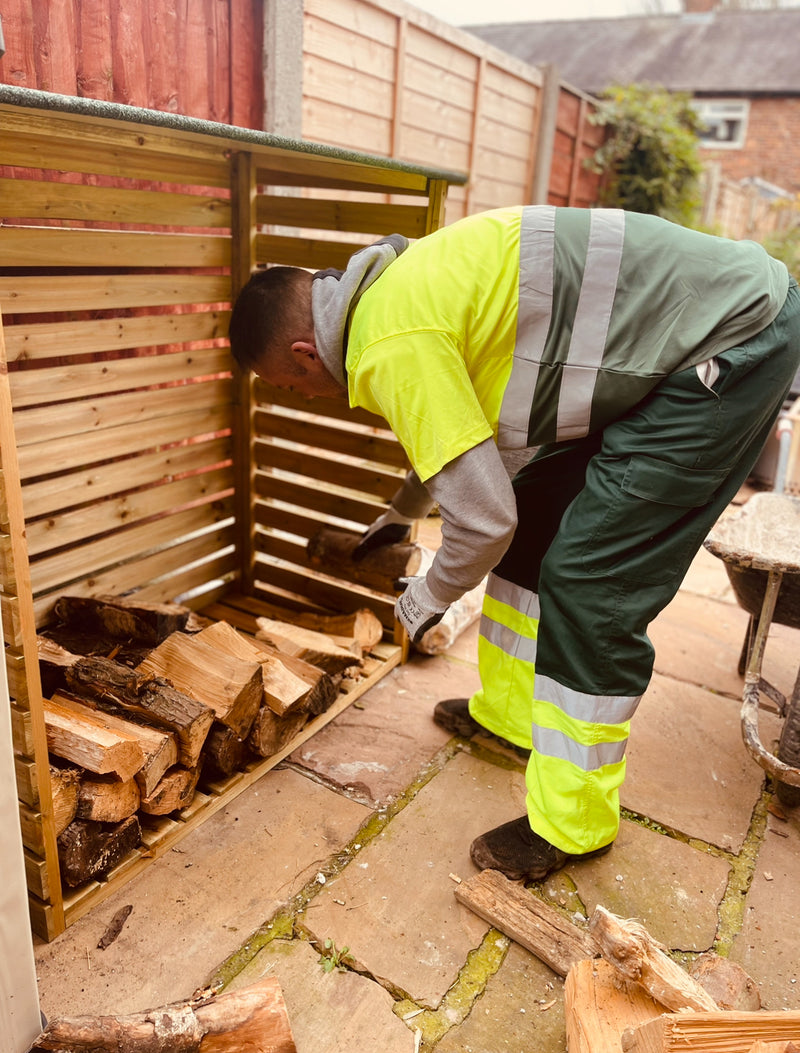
(474,12)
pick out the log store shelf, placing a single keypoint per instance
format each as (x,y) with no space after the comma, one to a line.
(134,458)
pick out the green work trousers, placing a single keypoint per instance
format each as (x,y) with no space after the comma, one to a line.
(607,528)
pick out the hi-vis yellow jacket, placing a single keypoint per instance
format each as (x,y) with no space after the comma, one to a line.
(538,324)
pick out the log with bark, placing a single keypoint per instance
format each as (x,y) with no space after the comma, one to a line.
(232,688)
(331,551)
(527,920)
(270,733)
(224,752)
(87,849)
(252,1020)
(726,981)
(117,689)
(64,788)
(122,617)
(638,957)
(317,648)
(107,800)
(159,748)
(283,690)
(83,738)
(175,791)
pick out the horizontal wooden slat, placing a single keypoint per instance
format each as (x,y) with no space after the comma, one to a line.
(176,560)
(320,499)
(12,625)
(80,451)
(27,785)
(302,252)
(52,200)
(192,579)
(344,598)
(44,340)
(383,448)
(370,479)
(303,524)
(69,489)
(72,528)
(22,731)
(361,217)
(17,674)
(96,556)
(50,423)
(57,247)
(340,174)
(25,294)
(36,876)
(32,834)
(266,395)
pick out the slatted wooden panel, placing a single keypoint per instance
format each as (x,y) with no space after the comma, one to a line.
(142,461)
(576,139)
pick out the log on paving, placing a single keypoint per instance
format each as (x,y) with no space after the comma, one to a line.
(317,648)
(726,981)
(159,748)
(107,800)
(599,1008)
(175,791)
(638,957)
(331,551)
(527,920)
(122,617)
(253,1019)
(87,849)
(120,690)
(230,687)
(84,739)
(720,1032)
(283,689)
(64,788)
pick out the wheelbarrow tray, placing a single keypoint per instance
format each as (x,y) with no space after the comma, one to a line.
(761,536)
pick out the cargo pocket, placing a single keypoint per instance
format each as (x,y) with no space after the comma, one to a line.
(653,526)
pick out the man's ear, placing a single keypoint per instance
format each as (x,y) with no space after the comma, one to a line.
(306,348)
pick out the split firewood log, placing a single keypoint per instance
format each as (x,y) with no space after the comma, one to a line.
(86,740)
(283,689)
(224,752)
(638,957)
(117,689)
(159,748)
(88,849)
(107,800)
(232,688)
(253,1019)
(720,1032)
(317,648)
(599,1007)
(174,791)
(331,551)
(270,733)
(122,617)
(64,788)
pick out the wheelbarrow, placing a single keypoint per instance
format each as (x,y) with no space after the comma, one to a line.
(760,546)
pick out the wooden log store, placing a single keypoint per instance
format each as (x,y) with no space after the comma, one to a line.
(139,469)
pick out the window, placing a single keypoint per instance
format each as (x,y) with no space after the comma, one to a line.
(724,122)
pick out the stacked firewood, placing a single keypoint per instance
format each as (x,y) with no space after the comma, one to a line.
(144,702)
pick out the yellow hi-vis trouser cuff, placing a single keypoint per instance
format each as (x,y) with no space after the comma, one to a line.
(506,661)
(574,774)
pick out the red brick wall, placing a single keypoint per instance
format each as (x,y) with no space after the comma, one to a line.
(772,146)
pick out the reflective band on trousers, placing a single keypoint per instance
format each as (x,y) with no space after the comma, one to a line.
(515,596)
(508,641)
(589,325)
(551,743)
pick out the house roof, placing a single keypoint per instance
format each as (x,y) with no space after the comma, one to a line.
(722,52)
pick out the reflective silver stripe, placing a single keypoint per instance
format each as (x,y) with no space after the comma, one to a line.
(590,327)
(592,709)
(552,743)
(522,600)
(509,642)
(534,309)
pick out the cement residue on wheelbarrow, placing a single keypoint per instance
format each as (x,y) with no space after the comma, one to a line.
(763,534)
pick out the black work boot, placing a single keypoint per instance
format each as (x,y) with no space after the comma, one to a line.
(454,716)
(516,851)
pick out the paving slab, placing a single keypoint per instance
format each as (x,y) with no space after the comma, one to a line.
(521,1010)
(687,765)
(394,904)
(199,902)
(673,889)
(376,747)
(768,944)
(334,1012)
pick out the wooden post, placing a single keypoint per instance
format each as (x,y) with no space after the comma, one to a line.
(22,654)
(545,135)
(575,168)
(478,96)
(399,87)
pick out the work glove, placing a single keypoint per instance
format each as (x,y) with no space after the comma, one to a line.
(417,609)
(387,529)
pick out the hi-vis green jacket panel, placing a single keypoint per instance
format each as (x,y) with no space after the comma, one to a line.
(539,324)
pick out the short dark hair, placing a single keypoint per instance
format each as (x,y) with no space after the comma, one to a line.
(269,313)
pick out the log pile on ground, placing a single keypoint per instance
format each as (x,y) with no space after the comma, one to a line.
(623,992)
(149,702)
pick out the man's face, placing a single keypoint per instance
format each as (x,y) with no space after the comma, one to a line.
(301,370)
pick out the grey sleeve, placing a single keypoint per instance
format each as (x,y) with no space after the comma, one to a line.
(412,499)
(479,516)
